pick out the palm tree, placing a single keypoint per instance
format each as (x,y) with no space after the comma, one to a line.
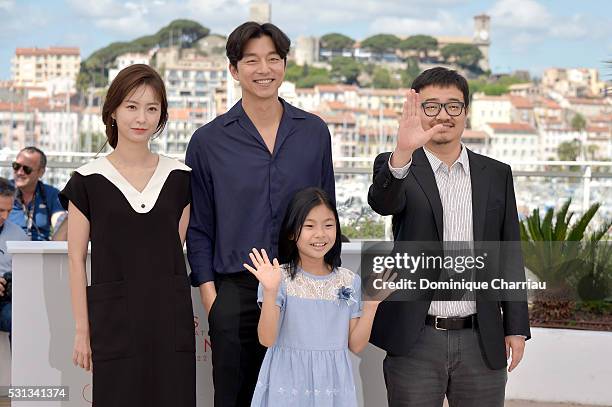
(571,262)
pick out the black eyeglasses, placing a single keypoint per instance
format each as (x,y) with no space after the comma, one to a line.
(432,109)
(26,169)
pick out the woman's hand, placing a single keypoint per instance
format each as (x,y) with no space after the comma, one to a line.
(268,274)
(81,356)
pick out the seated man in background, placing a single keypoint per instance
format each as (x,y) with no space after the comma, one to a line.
(8,231)
(36,206)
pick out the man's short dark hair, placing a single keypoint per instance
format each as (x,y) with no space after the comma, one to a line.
(6,189)
(238,39)
(31,150)
(443,78)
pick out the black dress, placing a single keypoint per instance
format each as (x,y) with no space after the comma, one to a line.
(139,301)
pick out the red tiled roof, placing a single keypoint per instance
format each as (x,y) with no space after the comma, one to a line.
(598,129)
(603,118)
(473,134)
(41,105)
(371,131)
(388,113)
(336,88)
(501,98)
(333,105)
(182,114)
(512,128)
(333,118)
(384,92)
(521,102)
(48,51)
(550,120)
(551,104)
(587,101)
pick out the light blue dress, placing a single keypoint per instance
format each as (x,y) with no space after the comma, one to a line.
(309,364)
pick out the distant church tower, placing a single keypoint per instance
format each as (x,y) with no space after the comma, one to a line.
(260,12)
(482,38)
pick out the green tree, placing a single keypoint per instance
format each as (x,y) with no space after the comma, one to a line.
(465,55)
(345,70)
(569,150)
(369,68)
(592,151)
(183,32)
(293,72)
(500,86)
(578,122)
(306,76)
(507,80)
(421,43)
(314,79)
(179,32)
(364,229)
(410,73)
(381,43)
(336,41)
(382,79)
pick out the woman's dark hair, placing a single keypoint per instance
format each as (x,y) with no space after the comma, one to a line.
(443,78)
(125,83)
(295,216)
(238,39)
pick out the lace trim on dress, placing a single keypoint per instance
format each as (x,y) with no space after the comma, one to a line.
(304,286)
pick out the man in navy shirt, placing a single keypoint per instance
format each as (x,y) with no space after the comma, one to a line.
(247,164)
(36,206)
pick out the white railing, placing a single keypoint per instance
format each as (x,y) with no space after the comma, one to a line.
(538,184)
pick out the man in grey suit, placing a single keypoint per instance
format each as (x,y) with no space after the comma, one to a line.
(439,191)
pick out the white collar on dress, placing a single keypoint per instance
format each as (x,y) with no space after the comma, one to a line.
(141,202)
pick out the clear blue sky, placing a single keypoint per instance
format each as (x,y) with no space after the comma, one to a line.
(525,34)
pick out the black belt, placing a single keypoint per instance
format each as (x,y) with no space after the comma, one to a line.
(451,323)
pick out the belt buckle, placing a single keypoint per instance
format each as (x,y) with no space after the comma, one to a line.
(436,323)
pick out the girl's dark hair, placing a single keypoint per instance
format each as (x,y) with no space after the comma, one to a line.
(125,83)
(295,216)
(238,39)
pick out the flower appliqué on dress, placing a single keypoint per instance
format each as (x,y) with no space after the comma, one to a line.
(346,294)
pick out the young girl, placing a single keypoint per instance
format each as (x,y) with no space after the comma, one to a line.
(311,312)
(134,324)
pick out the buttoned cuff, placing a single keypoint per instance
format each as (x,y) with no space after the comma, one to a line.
(399,173)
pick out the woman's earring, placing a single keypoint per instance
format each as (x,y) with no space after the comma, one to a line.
(113,123)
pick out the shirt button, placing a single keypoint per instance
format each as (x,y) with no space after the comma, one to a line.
(142,206)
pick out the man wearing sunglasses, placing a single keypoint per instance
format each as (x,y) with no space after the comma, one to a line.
(439,191)
(36,207)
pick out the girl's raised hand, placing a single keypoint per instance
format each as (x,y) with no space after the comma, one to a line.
(268,274)
(377,296)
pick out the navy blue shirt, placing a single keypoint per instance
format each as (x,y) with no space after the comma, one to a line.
(240,191)
(45,204)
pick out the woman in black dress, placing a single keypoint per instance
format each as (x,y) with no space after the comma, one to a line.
(134,323)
